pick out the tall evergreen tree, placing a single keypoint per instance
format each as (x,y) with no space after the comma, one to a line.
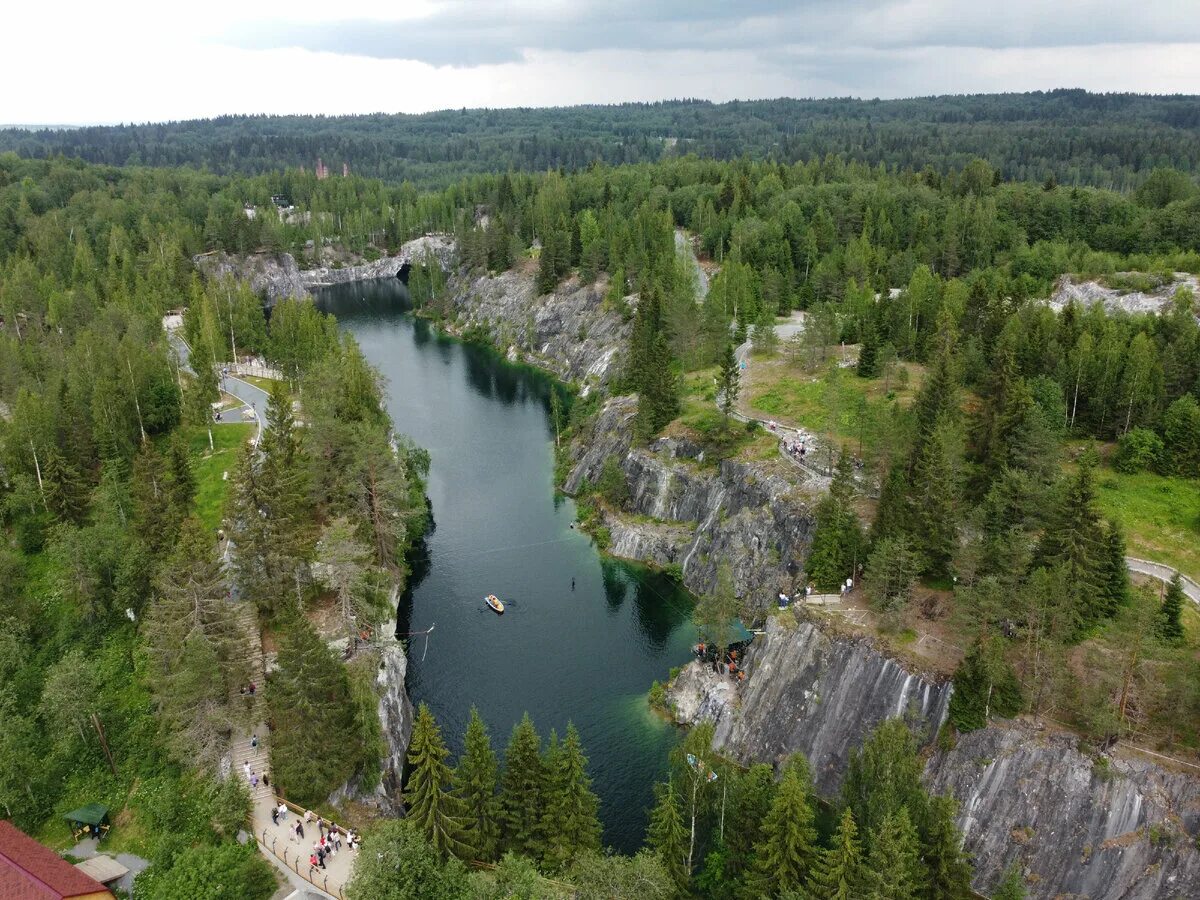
(984,683)
(475,787)
(727,381)
(431,806)
(883,777)
(1169,624)
(941,848)
(570,820)
(1116,570)
(750,797)
(788,851)
(523,790)
(1074,541)
(667,836)
(183,481)
(837,545)
(893,863)
(839,873)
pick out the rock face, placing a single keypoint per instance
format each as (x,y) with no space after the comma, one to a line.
(567,332)
(276,275)
(696,515)
(810,693)
(396,721)
(1092,293)
(1121,830)
(1124,828)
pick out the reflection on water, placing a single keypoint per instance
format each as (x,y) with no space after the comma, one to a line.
(585,654)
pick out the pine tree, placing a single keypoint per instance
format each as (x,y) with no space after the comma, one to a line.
(1074,541)
(1169,624)
(937,497)
(941,848)
(837,545)
(265,571)
(522,790)
(984,684)
(868,354)
(749,802)
(727,382)
(1011,886)
(788,850)
(893,862)
(475,787)
(430,804)
(570,822)
(839,873)
(883,777)
(667,836)
(1116,570)
(183,481)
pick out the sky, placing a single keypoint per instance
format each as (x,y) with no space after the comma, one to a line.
(89,62)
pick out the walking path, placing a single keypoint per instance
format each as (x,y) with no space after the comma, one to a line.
(255,398)
(1164,573)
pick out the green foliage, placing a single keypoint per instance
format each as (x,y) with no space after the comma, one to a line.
(639,877)
(837,545)
(523,791)
(397,863)
(840,874)
(715,613)
(475,787)
(1169,624)
(611,484)
(984,685)
(431,807)
(226,872)
(570,821)
(788,850)
(728,381)
(309,693)
(1138,450)
(667,837)
(891,573)
(1011,886)
(893,869)
(1180,453)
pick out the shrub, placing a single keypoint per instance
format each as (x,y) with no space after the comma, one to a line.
(1138,450)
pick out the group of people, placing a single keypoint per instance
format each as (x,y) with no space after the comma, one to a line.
(797,449)
(251,775)
(707,653)
(330,837)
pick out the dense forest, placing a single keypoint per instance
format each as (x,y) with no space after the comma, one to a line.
(1069,136)
(111,491)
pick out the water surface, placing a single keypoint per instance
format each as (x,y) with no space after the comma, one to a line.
(586,654)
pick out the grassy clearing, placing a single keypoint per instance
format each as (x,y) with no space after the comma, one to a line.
(1161,516)
(210,467)
(263,383)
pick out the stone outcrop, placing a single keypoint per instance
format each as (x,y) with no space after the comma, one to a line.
(696,515)
(807,692)
(276,275)
(1093,293)
(568,332)
(1112,828)
(1077,825)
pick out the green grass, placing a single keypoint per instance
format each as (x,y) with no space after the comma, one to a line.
(211,488)
(1161,516)
(264,383)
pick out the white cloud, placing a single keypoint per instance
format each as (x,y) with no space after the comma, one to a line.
(143,61)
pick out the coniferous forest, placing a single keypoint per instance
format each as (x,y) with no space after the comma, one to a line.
(983,468)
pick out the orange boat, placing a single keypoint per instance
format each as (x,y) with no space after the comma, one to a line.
(494,602)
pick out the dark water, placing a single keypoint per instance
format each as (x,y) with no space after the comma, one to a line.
(587,655)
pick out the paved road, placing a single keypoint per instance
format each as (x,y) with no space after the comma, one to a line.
(1164,573)
(255,398)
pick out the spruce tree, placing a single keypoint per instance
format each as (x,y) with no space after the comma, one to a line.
(868,354)
(883,777)
(1116,570)
(788,850)
(949,870)
(475,787)
(522,790)
(570,823)
(1168,623)
(837,545)
(893,863)
(750,798)
(1011,886)
(727,382)
(183,481)
(1074,541)
(839,873)
(431,806)
(667,836)
(984,684)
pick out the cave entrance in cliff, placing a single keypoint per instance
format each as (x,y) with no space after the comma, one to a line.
(403,273)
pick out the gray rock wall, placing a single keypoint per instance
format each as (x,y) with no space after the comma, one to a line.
(807,693)
(1123,829)
(694,515)
(567,332)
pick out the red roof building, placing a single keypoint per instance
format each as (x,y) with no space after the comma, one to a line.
(29,871)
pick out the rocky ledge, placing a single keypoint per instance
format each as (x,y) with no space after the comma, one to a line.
(1105,828)
(689,513)
(568,332)
(276,275)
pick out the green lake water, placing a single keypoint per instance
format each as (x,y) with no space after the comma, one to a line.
(586,655)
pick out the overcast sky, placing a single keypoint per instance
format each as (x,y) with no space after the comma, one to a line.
(150,60)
